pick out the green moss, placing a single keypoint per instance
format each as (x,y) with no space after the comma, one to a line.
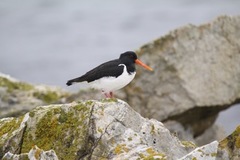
(153,129)
(4,82)
(89,103)
(236,135)
(214,154)
(63,116)
(120,148)
(48,97)
(231,140)
(65,131)
(237,144)
(194,158)
(31,114)
(7,127)
(150,151)
(82,106)
(100,130)
(188,144)
(109,100)
(153,155)
(130,139)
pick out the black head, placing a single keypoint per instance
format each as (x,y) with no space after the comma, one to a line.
(129,55)
(130,58)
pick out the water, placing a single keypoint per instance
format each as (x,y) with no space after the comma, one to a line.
(50,41)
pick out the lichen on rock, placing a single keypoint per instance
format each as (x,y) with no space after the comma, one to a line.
(63,128)
(229,147)
(90,129)
(196,74)
(17,97)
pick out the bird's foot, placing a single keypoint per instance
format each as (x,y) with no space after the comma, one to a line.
(111,95)
(108,95)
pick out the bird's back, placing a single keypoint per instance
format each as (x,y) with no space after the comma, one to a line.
(108,69)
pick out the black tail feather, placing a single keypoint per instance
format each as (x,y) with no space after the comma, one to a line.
(69,83)
(75,80)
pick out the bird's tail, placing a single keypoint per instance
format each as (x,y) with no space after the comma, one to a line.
(75,80)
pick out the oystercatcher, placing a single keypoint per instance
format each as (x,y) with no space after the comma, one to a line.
(113,75)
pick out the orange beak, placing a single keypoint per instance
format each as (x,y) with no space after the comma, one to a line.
(137,61)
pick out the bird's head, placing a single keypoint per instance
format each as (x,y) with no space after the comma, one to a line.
(131,56)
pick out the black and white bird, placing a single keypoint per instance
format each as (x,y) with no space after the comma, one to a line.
(112,75)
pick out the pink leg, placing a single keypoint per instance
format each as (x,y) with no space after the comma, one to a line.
(107,95)
(111,94)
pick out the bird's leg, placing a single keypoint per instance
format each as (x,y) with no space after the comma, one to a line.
(111,94)
(107,95)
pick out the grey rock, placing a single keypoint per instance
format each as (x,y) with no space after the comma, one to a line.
(108,129)
(10,156)
(215,132)
(206,152)
(127,135)
(38,154)
(229,147)
(34,154)
(17,97)
(196,74)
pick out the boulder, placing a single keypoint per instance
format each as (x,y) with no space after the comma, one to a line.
(34,154)
(196,74)
(206,152)
(229,147)
(17,97)
(108,129)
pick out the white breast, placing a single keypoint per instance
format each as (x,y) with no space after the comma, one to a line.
(108,84)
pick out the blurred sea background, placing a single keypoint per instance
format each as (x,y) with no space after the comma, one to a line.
(51,41)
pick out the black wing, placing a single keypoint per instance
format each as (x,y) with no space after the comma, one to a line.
(108,69)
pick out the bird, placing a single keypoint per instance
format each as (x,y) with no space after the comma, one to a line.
(112,75)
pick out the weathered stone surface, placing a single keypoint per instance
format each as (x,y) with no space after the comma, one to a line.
(10,156)
(125,134)
(17,98)
(34,154)
(215,132)
(207,152)
(107,129)
(229,148)
(196,74)
(63,128)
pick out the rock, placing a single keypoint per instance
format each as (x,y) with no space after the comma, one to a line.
(34,154)
(10,156)
(127,135)
(178,129)
(196,74)
(17,98)
(229,148)
(215,132)
(63,128)
(208,152)
(107,129)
